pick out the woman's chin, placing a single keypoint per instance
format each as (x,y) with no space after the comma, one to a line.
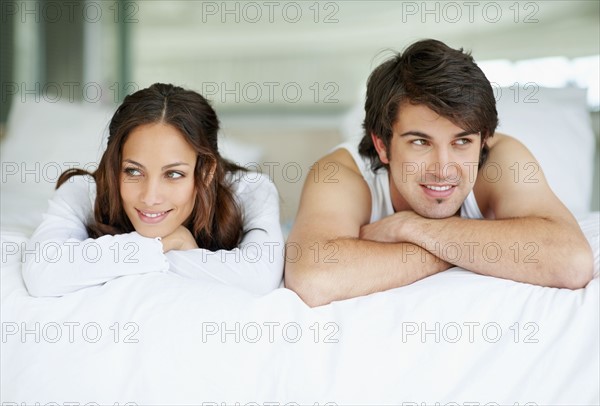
(149,233)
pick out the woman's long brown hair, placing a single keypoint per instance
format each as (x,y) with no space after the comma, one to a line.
(216,221)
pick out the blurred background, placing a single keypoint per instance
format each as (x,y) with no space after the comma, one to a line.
(287,78)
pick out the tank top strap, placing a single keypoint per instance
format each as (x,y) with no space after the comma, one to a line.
(378,182)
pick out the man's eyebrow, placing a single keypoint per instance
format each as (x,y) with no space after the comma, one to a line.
(131,161)
(416,134)
(426,136)
(465,133)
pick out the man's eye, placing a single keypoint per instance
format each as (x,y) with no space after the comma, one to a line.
(132,172)
(420,142)
(463,141)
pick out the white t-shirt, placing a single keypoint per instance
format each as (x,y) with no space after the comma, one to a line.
(61,258)
(379,185)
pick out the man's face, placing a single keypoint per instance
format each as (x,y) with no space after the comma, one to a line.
(432,162)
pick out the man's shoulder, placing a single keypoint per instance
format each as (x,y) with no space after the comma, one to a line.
(501,144)
(335,196)
(506,153)
(342,156)
(340,167)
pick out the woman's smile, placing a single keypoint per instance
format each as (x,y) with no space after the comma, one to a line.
(151,217)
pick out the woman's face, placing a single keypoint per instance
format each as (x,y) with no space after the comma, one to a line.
(157,179)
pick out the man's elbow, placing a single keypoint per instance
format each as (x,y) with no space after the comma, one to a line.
(579,270)
(304,281)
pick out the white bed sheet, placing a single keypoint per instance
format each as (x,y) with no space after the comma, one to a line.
(519,344)
(158,342)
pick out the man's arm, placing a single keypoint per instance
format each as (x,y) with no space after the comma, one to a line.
(326,260)
(533,237)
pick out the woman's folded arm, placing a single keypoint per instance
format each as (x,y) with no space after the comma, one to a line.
(60,258)
(257,264)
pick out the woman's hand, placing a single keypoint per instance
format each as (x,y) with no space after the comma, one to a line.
(181,240)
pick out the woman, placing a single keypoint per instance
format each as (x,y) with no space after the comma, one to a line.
(161,200)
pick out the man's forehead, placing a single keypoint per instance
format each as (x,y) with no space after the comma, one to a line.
(420,118)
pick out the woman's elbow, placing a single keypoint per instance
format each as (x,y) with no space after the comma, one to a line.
(37,285)
(266,277)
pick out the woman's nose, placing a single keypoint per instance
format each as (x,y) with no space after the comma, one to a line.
(152,193)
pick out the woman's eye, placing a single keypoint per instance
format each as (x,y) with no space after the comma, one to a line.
(174,175)
(132,172)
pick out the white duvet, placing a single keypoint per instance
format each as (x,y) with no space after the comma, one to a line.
(455,338)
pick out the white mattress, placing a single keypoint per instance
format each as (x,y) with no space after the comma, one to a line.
(453,337)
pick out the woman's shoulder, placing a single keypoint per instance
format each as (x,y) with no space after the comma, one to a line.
(254,191)
(258,199)
(77,183)
(244,182)
(78,191)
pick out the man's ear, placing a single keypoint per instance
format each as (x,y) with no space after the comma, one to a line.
(380,147)
(483,141)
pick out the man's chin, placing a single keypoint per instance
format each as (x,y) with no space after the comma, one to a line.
(438,213)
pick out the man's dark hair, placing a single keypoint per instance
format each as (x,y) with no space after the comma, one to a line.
(429,73)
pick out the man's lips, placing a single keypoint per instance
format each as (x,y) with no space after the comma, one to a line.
(152,217)
(438,191)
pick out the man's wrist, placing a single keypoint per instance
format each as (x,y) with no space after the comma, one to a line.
(407,227)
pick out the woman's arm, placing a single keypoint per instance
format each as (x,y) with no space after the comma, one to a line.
(257,264)
(60,258)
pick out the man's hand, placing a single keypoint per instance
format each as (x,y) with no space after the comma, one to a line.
(393,228)
(181,240)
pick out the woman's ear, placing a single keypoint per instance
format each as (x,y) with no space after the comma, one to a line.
(380,147)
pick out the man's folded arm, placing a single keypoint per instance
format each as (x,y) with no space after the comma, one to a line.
(533,237)
(327,260)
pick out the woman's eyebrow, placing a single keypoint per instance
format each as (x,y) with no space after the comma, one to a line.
(175,164)
(131,161)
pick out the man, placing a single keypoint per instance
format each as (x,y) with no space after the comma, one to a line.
(430,187)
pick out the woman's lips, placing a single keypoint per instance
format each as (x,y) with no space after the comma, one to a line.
(152,217)
(438,191)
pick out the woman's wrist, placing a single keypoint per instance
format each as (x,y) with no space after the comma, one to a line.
(181,240)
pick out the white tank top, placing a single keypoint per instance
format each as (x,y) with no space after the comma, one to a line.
(379,185)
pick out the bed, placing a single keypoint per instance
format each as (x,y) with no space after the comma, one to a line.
(456,338)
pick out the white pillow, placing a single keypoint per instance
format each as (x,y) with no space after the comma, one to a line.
(555,125)
(52,136)
(42,140)
(241,153)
